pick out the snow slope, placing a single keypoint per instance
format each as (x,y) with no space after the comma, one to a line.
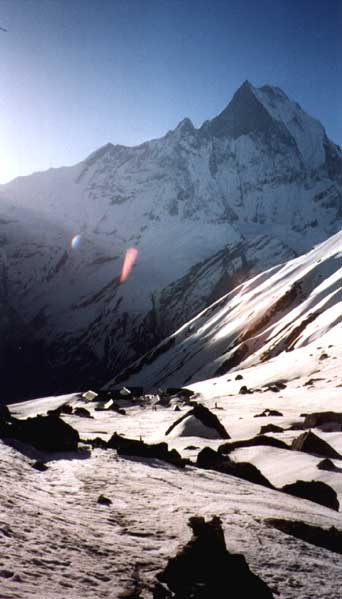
(278,312)
(58,540)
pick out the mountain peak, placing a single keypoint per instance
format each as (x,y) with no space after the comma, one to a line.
(244,114)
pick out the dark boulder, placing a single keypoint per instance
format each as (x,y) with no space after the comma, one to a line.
(268,412)
(133,447)
(5,414)
(103,500)
(328,465)
(180,392)
(206,417)
(212,460)
(46,433)
(204,569)
(82,412)
(316,491)
(330,538)
(244,390)
(40,466)
(311,443)
(63,409)
(227,448)
(316,419)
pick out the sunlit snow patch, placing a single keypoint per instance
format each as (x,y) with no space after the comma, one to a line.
(129,260)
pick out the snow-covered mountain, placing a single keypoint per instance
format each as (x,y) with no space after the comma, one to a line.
(253,187)
(287,307)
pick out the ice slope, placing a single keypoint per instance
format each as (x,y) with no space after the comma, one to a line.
(189,198)
(277,312)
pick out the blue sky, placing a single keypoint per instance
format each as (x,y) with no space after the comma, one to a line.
(76,74)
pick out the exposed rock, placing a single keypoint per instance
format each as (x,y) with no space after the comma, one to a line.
(180,392)
(96,443)
(47,433)
(212,460)
(327,465)
(268,412)
(295,426)
(5,414)
(227,448)
(244,390)
(316,419)
(82,412)
(110,405)
(102,500)
(311,443)
(328,538)
(133,447)
(65,408)
(316,491)
(271,428)
(40,466)
(211,426)
(238,377)
(204,569)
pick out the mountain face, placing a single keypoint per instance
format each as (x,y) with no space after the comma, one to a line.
(284,308)
(206,208)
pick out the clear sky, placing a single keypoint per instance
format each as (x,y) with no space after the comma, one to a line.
(76,74)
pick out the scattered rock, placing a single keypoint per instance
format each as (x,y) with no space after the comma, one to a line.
(273,388)
(213,460)
(5,414)
(268,412)
(238,377)
(316,491)
(102,500)
(133,447)
(227,448)
(271,428)
(64,408)
(316,419)
(311,443)
(96,443)
(181,392)
(296,426)
(46,433)
(82,412)
(311,381)
(327,465)
(40,466)
(244,390)
(323,356)
(199,422)
(204,569)
(330,538)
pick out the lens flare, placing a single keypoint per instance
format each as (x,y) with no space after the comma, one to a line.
(75,242)
(129,260)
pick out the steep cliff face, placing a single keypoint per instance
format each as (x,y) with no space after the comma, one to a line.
(252,187)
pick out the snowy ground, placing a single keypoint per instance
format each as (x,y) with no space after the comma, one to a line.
(57,541)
